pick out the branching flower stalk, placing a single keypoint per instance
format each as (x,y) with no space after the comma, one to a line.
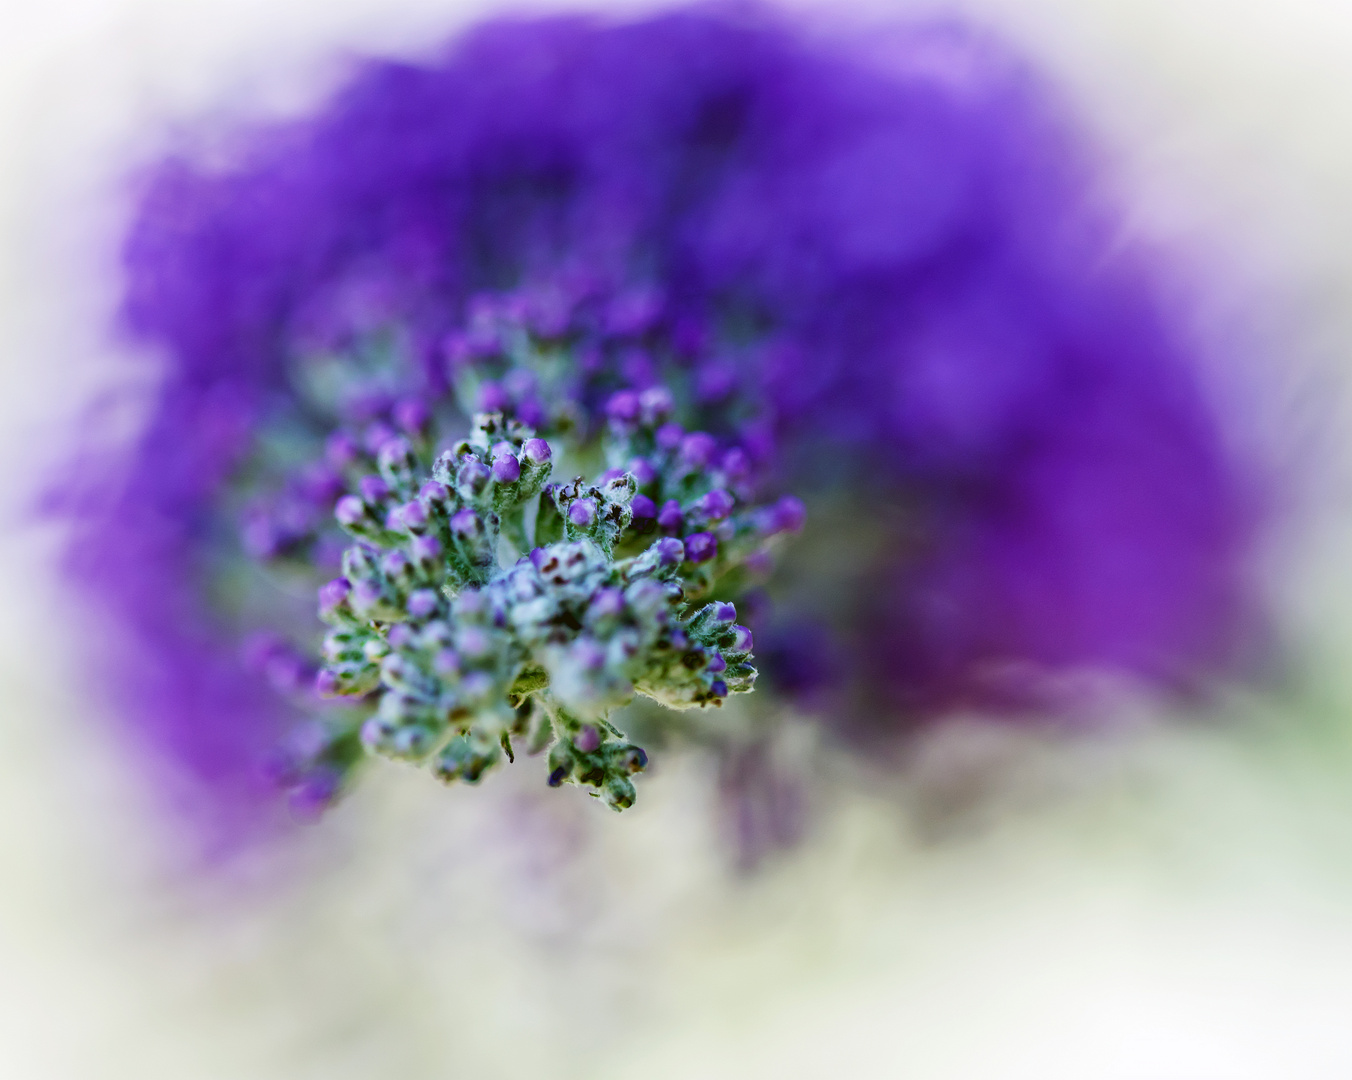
(486,606)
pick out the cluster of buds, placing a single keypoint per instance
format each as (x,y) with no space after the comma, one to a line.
(484,607)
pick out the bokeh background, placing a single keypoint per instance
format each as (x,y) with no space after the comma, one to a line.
(1167,895)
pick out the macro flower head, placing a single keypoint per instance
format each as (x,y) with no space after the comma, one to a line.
(627,287)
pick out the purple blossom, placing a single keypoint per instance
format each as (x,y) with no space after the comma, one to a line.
(942,301)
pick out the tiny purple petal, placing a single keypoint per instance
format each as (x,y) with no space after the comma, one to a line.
(716,505)
(741,639)
(725,613)
(493,398)
(607,603)
(582,513)
(643,507)
(349,510)
(326,683)
(669,436)
(716,663)
(332,594)
(465,522)
(413,515)
(789,514)
(412,416)
(701,547)
(644,473)
(670,551)
(434,492)
(422,604)
(718,688)
(698,448)
(506,469)
(425,549)
(588,740)
(373,489)
(655,403)
(536,451)
(670,517)
(623,407)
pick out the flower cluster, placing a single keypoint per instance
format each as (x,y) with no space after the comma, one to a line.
(483,605)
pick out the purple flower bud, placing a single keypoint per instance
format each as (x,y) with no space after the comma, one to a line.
(643,507)
(332,594)
(741,639)
(698,448)
(718,688)
(502,446)
(724,612)
(582,513)
(669,436)
(474,642)
(341,450)
(465,522)
(372,489)
(700,547)
(670,518)
(716,505)
(326,683)
(736,464)
(644,473)
(425,549)
(434,492)
(396,453)
(788,515)
(376,436)
(350,510)
(366,594)
(623,407)
(493,398)
(588,654)
(319,485)
(655,404)
(395,564)
(446,662)
(538,557)
(506,469)
(400,636)
(607,603)
(611,474)
(411,416)
(531,413)
(473,476)
(423,604)
(413,516)
(670,551)
(716,663)
(588,740)
(536,451)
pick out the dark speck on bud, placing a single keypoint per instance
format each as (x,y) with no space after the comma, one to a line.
(582,513)
(588,740)
(506,469)
(700,547)
(536,451)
